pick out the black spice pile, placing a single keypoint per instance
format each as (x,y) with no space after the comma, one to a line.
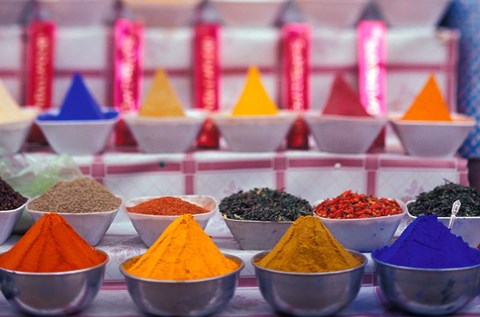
(439,201)
(264,204)
(81,195)
(9,198)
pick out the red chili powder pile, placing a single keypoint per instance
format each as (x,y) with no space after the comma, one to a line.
(50,245)
(166,206)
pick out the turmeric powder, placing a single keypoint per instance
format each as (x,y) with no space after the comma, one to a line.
(429,104)
(308,247)
(183,252)
(50,245)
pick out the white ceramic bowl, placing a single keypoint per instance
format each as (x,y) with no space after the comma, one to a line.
(465,227)
(79,12)
(254,133)
(91,226)
(163,13)
(248,13)
(14,133)
(150,227)
(257,235)
(332,13)
(343,134)
(11,11)
(365,234)
(202,297)
(412,13)
(432,139)
(8,219)
(165,135)
(77,137)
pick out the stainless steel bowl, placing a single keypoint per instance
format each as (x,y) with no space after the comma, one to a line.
(428,291)
(182,298)
(309,294)
(57,293)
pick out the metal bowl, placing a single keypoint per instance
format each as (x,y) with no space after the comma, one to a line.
(309,294)
(182,298)
(428,291)
(57,293)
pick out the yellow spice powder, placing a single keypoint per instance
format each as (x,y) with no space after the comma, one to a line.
(183,252)
(308,247)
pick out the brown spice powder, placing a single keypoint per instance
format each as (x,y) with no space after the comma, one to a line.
(81,195)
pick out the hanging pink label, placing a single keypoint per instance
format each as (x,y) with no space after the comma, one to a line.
(207,79)
(296,66)
(128,54)
(372,75)
(40,64)
(207,68)
(296,78)
(39,53)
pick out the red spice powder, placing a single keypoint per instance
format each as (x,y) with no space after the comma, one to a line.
(352,205)
(166,206)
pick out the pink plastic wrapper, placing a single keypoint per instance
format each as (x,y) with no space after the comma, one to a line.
(296,79)
(128,54)
(206,52)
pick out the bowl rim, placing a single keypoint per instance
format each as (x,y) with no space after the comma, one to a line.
(227,115)
(54,112)
(62,273)
(167,217)
(236,259)
(458,120)
(75,213)
(335,117)
(420,269)
(440,218)
(254,221)
(11,211)
(191,116)
(262,254)
(399,215)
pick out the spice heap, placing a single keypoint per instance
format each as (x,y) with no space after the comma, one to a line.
(10,111)
(81,195)
(9,198)
(183,252)
(308,247)
(161,99)
(254,100)
(264,204)
(439,201)
(427,243)
(166,206)
(429,104)
(351,205)
(50,245)
(343,100)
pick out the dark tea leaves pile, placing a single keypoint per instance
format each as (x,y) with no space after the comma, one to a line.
(439,201)
(9,198)
(264,204)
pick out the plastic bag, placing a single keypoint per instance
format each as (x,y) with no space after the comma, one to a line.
(32,175)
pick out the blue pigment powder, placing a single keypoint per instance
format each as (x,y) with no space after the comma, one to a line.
(427,243)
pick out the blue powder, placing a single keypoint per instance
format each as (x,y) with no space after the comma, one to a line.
(427,243)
